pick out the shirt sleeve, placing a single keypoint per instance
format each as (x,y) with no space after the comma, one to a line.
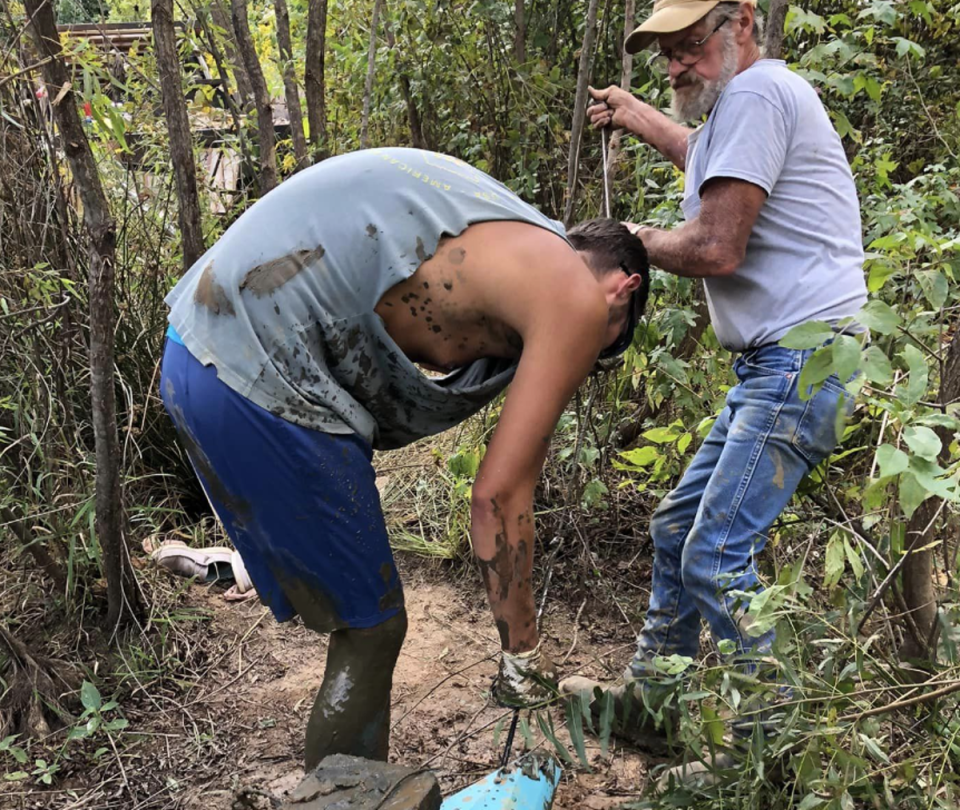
(749,141)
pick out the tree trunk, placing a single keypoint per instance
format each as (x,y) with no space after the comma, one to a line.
(413,114)
(266,136)
(580,110)
(234,101)
(626,76)
(776,20)
(314,82)
(371,69)
(222,20)
(123,600)
(178,127)
(520,32)
(918,587)
(290,87)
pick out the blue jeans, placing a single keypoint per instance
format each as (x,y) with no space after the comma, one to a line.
(708,531)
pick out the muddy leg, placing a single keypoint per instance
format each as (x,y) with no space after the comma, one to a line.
(351,714)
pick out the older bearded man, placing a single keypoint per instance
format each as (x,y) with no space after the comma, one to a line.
(773,228)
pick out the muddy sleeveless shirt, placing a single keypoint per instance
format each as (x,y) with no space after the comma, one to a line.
(283,304)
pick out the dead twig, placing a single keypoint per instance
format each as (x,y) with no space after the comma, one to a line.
(903,704)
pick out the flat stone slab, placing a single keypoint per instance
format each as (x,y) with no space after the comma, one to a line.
(351,783)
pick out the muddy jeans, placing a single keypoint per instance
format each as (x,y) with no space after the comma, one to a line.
(707,532)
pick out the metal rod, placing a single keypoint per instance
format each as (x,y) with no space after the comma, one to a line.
(510,735)
(606,177)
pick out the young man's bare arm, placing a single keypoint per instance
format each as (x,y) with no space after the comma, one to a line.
(715,242)
(560,345)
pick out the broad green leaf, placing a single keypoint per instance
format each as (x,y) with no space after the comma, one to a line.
(934,286)
(878,274)
(916,386)
(763,609)
(878,317)
(661,435)
(933,478)
(906,46)
(673,664)
(844,128)
(882,10)
(815,371)
(642,456)
(923,441)
(801,18)
(810,801)
(807,335)
(834,561)
(943,420)
(876,366)
(684,442)
(846,356)
(16,776)
(892,460)
(117,724)
(90,696)
(912,494)
(464,464)
(853,557)
(888,242)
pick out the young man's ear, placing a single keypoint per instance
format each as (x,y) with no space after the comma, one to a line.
(630,285)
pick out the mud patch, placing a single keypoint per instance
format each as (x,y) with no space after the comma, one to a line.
(211,295)
(362,784)
(422,254)
(267,277)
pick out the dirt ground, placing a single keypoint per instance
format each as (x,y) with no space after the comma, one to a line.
(234,715)
(255,709)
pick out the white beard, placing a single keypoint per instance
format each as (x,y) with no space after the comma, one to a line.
(693,101)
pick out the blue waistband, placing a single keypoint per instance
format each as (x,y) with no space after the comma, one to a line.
(172,335)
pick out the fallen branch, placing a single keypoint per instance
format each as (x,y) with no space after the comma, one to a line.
(903,704)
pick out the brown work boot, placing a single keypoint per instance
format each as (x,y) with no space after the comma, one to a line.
(632,721)
(703,773)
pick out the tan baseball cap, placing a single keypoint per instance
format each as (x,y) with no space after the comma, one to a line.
(668,17)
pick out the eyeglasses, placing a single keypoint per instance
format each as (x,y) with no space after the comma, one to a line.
(687,55)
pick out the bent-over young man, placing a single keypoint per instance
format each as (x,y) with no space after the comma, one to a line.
(293,353)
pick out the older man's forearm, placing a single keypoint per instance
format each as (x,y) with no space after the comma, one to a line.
(690,250)
(662,133)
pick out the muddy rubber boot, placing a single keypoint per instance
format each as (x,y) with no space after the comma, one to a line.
(632,720)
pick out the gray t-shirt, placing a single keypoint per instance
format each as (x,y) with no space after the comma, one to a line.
(283,303)
(804,260)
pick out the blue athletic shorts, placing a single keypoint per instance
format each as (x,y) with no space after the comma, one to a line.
(301,506)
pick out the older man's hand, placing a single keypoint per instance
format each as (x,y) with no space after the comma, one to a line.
(616,108)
